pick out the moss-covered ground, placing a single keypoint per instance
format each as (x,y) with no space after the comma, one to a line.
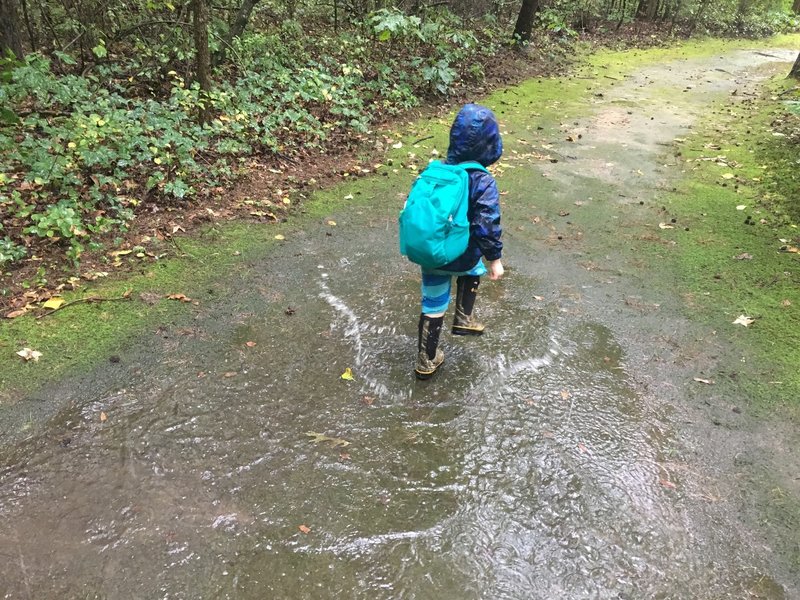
(735,213)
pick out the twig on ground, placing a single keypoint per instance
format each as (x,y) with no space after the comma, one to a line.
(88,300)
(420,140)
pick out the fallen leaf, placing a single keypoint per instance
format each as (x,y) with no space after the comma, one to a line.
(54,303)
(29,354)
(368,400)
(304,529)
(743,256)
(181,297)
(667,483)
(786,302)
(118,253)
(744,320)
(706,381)
(665,226)
(230,374)
(279,237)
(250,344)
(397,146)
(332,223)
(321,437)
(539,298)
(348,197)
(728,175)
(103,417)
(741,207)
(792,249)
(348,374)
(564,394)
(16,313)
(582,448)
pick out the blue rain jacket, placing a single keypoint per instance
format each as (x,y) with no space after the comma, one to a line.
(475,136)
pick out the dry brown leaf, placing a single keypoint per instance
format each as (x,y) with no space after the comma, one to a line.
(304,528)
(565,394)
(250,344)
(667,483)
(103,417)
(230,374)
(706,381)
(16,313)
(181,297)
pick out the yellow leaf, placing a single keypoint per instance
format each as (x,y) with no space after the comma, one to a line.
(348,374)
(54,303)
(279,237)
(332,223)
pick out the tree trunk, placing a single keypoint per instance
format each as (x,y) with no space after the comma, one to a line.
(9,28)
(652,10)
(237,28)
(795,72)
(796,7)
(202,57)
(524,26)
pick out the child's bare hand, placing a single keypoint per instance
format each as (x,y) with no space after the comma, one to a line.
(496,270)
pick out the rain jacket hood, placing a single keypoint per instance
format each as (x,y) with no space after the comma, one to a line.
(475,136)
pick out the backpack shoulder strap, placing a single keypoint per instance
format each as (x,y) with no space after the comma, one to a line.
(472,165)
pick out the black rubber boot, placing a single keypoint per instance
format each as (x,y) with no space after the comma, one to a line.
(466,291)
(429,356)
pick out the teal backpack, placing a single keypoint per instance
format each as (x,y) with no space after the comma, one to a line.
(434,229)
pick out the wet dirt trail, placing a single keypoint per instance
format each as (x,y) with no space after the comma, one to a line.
(566,454)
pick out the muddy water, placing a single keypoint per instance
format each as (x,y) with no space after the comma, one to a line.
(551,458)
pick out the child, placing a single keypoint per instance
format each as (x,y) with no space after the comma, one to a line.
(474,136)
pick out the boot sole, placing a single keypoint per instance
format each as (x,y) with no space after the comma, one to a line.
(422,375)
(460,331)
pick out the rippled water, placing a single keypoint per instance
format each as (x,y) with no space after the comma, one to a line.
(535,465)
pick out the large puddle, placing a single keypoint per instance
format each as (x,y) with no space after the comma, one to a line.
(543,462)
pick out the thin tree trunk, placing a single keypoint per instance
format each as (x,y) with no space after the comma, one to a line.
(621,15)
(29,27)
(9,28)
(237,28)
(202,57)
(796,7)
(795,72)
(652,10)
(524,25)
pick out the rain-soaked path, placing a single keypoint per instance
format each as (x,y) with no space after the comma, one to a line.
(560,456)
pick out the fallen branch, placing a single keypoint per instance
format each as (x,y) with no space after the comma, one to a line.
(429,137)
(89,300)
